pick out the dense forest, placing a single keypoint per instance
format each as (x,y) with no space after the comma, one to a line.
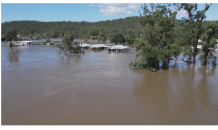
(37,29)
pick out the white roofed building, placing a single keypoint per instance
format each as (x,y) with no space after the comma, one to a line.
(84,45)
(99,46)
(118,48)
(22,43)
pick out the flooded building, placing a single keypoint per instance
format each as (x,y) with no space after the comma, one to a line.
(119,48)
(21,43)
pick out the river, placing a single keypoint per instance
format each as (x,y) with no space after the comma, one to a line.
(42,87)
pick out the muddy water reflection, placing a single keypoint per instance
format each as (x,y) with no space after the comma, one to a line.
(180,95)
(43,87)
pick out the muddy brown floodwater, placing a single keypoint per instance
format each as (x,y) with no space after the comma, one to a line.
(41,87)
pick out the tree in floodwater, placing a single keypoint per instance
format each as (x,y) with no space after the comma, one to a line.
(209,42)
(194,26)
(156,41)
(10,35)
(68,46)
(168,45)
(176,48)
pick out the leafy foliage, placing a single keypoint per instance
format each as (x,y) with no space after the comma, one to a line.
(118,38)
(10,34)
(157,40)
(209,41)
(131,39)
(69,46)
(47,41)
(193,25)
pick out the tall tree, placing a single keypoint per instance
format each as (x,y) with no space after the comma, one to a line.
(166,23)
(10,35)
(209,42)
(156,41)
(147,44)
(193,25)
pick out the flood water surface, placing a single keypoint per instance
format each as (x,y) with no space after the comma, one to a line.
(42,87)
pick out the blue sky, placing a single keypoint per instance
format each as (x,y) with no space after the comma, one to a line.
(79,12)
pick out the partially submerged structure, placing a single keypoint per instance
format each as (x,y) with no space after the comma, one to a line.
(50,43)
(85,45)
(99,47)
(119,48)
(21,43)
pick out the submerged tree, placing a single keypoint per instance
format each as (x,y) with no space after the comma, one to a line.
(209,42)
(69,46)
(176,48)
(10,35)
(156,41)
(194,25)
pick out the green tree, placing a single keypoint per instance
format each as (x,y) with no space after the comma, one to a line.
(104,39)
(99,39)
(47,41)
(118,38)
(209,42)
(156,42)
(69,46)
(10,35)
(166,25)
(94,32)
(85,37)
(194,25)
(130,39)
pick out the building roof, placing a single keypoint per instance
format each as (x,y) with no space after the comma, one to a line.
(99,45)
(25,41)
(84,45)
(201,40)
(118,47)
(198,47)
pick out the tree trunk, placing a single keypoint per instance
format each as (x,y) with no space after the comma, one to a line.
(194,52)
(158,66)
(175,58)
(205,58)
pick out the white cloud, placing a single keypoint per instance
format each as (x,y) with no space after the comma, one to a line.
(204,4)
(182,13)
(117,8)
(92,5)
(134,6)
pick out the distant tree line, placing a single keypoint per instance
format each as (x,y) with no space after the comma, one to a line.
(101,31)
